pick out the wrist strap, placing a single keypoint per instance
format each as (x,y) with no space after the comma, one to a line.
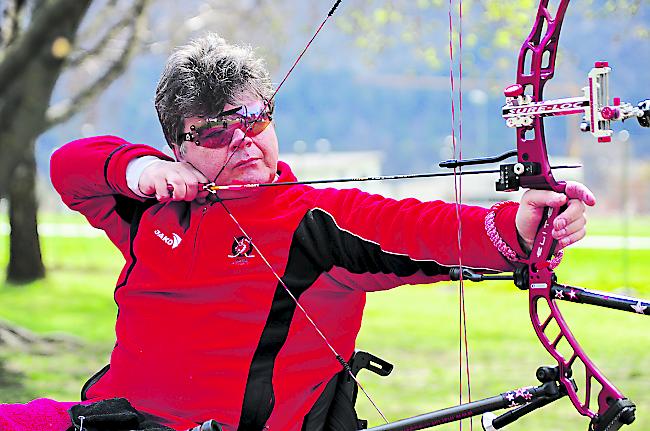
(500,244)
(493,234)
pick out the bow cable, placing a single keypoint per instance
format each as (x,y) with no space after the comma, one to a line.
(339,358)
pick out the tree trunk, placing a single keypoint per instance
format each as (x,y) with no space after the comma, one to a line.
(22,119)
(25,262)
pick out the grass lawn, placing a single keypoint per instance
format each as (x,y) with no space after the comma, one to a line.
(636,226)
(414,327)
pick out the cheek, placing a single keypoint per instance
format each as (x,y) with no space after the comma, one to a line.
(205,160)
(270,146)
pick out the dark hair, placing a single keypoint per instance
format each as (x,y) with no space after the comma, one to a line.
(200,78)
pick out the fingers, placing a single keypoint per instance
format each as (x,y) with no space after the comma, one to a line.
(570,228)
(185,185)
(574,233)
(176,181)
(574,211)
(193,180)
(176,187)
(579,191)
(161,191)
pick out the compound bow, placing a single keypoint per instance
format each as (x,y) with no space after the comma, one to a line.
(524,110)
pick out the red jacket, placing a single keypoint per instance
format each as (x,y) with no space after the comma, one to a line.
(205,331)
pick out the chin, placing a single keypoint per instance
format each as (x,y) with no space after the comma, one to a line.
(251,178)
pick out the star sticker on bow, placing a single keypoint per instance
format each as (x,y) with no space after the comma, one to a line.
(559,294)
(639,308)
(573,294)
(528,396)
(510,396)
(521,393)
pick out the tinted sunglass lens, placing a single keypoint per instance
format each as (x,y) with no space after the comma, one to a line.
(258,127)
(219,139)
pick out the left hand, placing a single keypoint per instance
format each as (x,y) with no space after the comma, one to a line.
(569,226)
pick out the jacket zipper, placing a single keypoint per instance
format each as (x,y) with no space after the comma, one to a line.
(204,210)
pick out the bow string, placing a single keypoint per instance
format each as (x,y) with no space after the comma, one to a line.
(464,383)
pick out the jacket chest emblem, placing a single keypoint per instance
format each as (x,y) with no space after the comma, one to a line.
(241,250)
(173,241)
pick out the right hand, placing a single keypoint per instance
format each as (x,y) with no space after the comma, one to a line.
(177,181)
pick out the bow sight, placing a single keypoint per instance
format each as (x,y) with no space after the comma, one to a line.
(520,111)
(594,105)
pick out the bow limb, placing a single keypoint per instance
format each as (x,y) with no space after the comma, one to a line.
(536,65)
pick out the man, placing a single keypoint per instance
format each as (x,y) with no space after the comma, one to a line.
(206,328)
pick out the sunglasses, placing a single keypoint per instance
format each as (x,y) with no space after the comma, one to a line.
(217,132)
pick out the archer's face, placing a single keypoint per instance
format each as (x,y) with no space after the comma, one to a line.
(245,159)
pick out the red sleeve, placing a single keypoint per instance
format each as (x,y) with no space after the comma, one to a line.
(428,230)
(90,176)
(438,223)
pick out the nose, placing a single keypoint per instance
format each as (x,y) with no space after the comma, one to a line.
(239,138)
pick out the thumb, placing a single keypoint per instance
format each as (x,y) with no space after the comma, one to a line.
(579,191)
(146,186)
(538,199)
(531,211)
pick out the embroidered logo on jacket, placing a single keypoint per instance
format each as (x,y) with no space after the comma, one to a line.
(172,242)
(241,250)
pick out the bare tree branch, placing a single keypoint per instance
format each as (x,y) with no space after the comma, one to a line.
(9,25)
(126,21)
(15,58)
(99,20)
(64,110)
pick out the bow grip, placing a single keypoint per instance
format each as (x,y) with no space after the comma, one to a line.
(544,244)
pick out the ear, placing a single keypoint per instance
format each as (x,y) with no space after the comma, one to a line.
(178,153)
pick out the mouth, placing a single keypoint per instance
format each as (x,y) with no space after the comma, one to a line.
(246,162)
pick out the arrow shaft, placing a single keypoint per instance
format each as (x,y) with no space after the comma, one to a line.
(214,188)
